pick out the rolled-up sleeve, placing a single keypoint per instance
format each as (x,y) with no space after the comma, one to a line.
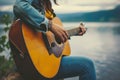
(23,10)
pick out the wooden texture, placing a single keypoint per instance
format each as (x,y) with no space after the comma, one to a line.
(30,53)
(47,65)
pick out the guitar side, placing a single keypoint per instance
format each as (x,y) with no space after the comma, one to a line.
(47,65)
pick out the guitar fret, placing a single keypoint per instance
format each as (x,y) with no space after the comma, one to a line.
(73,32)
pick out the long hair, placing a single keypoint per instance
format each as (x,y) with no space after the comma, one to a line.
(48,4)
(55,2)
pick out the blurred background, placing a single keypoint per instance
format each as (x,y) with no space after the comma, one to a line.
(100,43)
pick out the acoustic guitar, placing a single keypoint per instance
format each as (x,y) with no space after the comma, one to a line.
(37,52)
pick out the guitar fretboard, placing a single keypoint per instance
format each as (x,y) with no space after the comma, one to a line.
(73,31)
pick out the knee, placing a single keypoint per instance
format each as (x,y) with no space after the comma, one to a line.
(89,64)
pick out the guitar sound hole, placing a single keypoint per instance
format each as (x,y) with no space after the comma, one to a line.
(53,44)
(58,40)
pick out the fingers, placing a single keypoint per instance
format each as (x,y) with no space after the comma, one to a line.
(59,33)
(82,29)
(64,36)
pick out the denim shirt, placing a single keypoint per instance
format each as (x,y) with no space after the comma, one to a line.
(30,12)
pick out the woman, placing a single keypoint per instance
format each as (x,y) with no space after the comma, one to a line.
(38,14)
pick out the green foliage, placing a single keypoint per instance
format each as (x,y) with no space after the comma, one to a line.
(2,43)
(5,64)
(6,19)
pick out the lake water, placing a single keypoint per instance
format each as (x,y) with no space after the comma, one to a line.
(101,44)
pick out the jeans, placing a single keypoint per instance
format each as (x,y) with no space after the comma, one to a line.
(76,66)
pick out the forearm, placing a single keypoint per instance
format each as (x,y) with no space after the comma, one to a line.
(31,16)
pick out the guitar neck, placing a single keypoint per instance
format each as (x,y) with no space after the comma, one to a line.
(73,31)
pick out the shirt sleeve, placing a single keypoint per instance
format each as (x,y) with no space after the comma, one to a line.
(31,16)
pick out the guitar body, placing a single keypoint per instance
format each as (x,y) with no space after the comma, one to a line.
(32,48)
